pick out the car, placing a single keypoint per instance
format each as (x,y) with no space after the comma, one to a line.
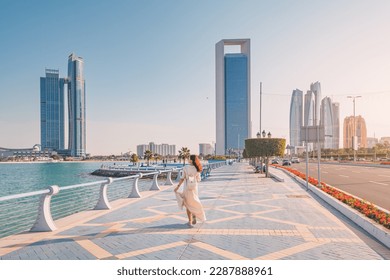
(295,160)
(286,162)
(274,161)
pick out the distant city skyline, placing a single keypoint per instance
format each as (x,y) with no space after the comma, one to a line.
(150,65)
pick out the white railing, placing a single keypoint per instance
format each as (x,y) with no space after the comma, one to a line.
(36,211)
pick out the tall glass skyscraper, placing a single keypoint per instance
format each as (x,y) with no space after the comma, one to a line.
(233,123)
(296,118)
(327,122)
(76,105)
(52,111)
(336,125)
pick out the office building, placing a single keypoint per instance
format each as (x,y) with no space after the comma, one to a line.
(371,142)
(52,110)
(76,105)
(159,149)
(315,88)
(233,124)
(352,124)
(326,121)
(336,125)
(296,118)
(206,149)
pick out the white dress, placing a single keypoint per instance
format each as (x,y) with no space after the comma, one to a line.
(189,198)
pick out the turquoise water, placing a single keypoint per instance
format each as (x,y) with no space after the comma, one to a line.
(19,215)
(18,178)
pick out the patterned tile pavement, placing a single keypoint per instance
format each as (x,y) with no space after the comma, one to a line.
(249,217)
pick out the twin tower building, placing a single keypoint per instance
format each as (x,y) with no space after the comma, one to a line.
(54,100)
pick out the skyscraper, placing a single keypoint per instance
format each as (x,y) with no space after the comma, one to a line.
(52,111)
(233,123)
(76,105)
(336,125)
(350,125)
(326,122)
(315,88)
(296,118)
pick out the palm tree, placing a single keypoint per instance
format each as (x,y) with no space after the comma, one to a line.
(184,153)
(134,158)
(148,155)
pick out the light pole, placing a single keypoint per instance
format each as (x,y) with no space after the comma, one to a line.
(261,87)
(354,141)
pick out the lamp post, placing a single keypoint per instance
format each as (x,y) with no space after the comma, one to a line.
(263,133)
(354,142)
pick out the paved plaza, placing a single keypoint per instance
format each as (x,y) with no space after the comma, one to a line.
(248,217)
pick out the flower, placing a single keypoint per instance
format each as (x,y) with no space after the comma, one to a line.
(364,207)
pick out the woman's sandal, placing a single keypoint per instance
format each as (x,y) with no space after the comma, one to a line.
(193,220)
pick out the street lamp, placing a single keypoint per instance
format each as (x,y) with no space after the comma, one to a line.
(269,135)
(354,142)
(263,133)
(258,135)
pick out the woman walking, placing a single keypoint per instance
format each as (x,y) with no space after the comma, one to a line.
(189,198)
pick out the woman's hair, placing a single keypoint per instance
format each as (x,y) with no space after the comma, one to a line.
(196,162)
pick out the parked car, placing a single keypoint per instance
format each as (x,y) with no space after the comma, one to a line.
(286,162)
(295,160)
(274,161)
(258,168)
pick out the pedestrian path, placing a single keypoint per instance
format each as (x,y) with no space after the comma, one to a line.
(248,217)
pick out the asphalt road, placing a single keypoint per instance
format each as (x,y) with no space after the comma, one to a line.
(369,183)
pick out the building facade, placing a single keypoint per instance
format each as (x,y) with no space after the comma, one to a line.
(326,121)
(371,142)
(296,118)
(233,124)
(350,125)
(52,110)
(160,149)
(77,106)
(206,149)
(336,125)
(315,88)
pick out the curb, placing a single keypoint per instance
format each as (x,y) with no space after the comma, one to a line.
(374,229)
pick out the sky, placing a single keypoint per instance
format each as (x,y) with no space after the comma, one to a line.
(149,65)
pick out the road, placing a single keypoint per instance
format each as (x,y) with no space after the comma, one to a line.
(369,183)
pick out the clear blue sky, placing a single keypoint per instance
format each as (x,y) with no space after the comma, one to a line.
(150,65)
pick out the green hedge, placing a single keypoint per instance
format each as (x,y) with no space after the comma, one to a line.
(264,147)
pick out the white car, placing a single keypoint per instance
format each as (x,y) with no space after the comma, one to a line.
(295,160)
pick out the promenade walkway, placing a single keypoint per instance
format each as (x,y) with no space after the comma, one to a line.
(248,217)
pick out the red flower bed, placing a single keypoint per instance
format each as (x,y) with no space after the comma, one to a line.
(365,207)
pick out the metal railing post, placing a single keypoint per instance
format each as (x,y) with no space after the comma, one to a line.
(155,186)
(135,192)
(103,203)
(169,182)
(44,220)
(179,175)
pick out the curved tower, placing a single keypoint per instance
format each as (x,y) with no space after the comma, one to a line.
(296,117)
(76,106)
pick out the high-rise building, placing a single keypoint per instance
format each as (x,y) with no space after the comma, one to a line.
(371,142)
(350,125)
(315,88)
(160,149)
(233,124)
(206,149)
(52,111)
(296,118)
(326,121)
(76,105)
(336,125)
